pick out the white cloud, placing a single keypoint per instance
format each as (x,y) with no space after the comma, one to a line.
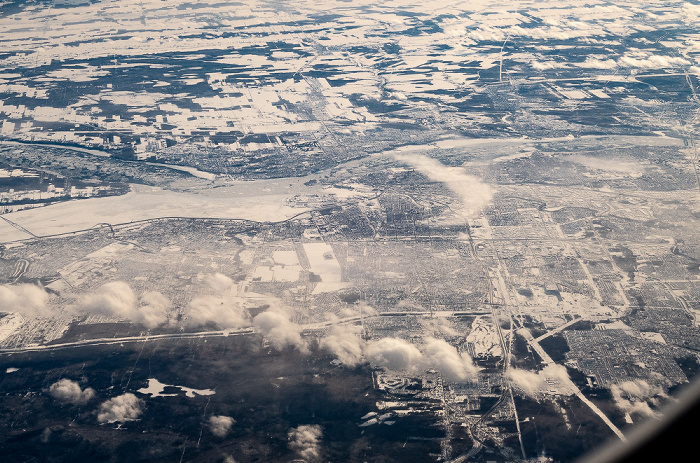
(652,62)
(225,312)
(114,299)
(344,342)
(305,441)
(637,396)
(635,60)
(68,391)
(220,425)
(219,283)
(545,65)
(558,376)
(117,299)
(126,407)
(442,356)
(153,310)
(438,327)
(394,354)
(275,325)
(595,63)
(366,309)
(221,306)
(402,356)
(528,382)
(26,299)
(473,194)
(552,376)
(357,310)
(622,166)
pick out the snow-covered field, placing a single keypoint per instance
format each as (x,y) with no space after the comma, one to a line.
(146,203)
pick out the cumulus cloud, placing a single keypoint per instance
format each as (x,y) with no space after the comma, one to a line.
(114,299)
(545,65)
(638,61)
(153,310)
(117,299)
(398,355)
(366,309)
(220,306)
(356,310)
(652,62)
(572,30)
(637,396)
(219,283)
(394,354)
(304,440)
(126,407)
(344,342)
(225,312)
(557,376)
(473,194)
(68,391)
(435,354)
(534,384)
(438,327)
(220,425)
(622,166)
(442,356)
(527,381)
(596,63)
(26,299)
(488,33)
(275,325)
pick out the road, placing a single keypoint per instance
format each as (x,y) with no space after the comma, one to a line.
(558,329)
(569,385)
(206,334)
(127,339)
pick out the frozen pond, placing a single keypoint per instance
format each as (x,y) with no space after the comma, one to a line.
(155,389)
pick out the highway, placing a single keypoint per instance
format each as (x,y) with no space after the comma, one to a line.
(206,334)
(128,339)
(569,384)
